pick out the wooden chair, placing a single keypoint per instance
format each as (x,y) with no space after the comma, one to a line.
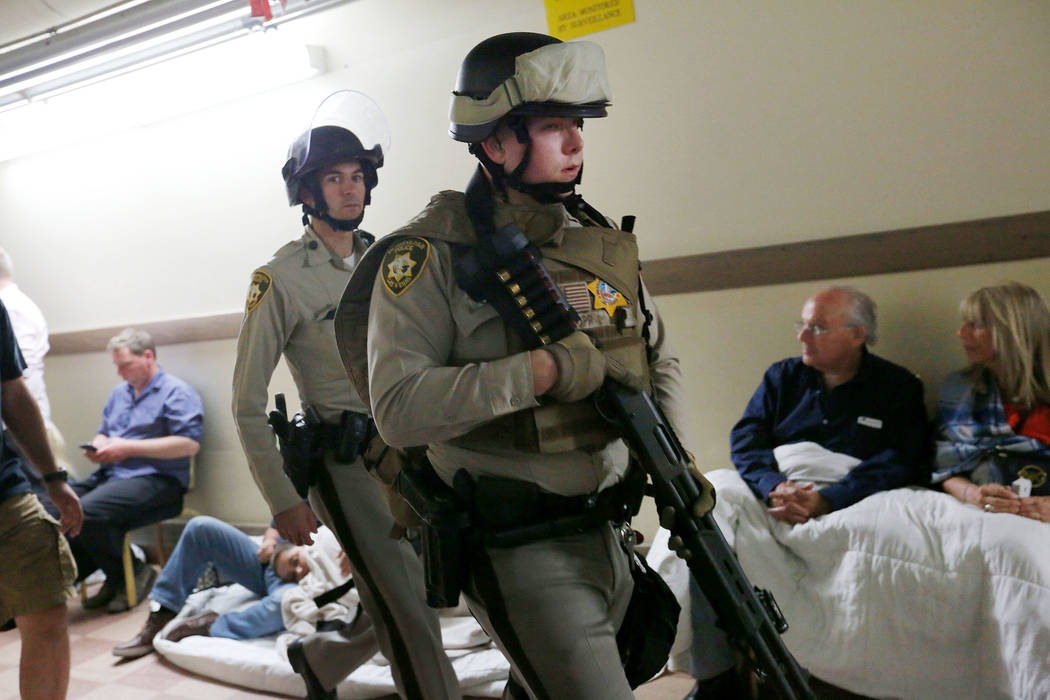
(186,514)
(129,574)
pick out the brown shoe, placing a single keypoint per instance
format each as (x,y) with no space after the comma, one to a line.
(192,626)
(142,644)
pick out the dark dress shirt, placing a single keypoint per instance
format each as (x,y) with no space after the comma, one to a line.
(878,417)
(12,482)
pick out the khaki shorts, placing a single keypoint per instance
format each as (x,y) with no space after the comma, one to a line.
(36,567)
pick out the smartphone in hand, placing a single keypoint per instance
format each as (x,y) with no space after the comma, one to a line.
(88,446)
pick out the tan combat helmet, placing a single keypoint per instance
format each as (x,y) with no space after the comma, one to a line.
(527,74)
(524,74)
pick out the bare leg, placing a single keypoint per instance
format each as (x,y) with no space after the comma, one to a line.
(44,668)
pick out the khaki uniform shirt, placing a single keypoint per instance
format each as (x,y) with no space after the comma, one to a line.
(439,367)
(290,311)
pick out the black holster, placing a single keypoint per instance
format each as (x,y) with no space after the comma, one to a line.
(304,439)
(301,445)
(445,530)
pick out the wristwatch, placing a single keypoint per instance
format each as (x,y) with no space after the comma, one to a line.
(58,475)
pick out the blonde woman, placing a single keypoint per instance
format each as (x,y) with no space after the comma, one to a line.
(993,418)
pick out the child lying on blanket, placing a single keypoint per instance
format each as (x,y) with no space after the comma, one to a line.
(327,641)
(268,570)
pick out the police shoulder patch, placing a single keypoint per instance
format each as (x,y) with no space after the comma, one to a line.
(403,263)
(261,283)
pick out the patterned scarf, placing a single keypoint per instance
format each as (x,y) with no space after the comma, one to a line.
(971,425)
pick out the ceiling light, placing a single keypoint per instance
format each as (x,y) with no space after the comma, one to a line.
(252,64)
(129,37)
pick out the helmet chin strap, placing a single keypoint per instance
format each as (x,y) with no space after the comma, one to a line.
(337,224)
(542,192)
(545,193)
(322,212)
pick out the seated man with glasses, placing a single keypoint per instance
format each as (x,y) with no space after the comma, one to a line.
(821,432)
(826,429)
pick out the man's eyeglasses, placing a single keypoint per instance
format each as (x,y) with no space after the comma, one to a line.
(816,330)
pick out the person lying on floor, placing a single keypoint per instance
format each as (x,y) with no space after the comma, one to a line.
(306,591)
(269,570)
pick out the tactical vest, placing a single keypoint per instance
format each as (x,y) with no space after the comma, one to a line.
(596,268)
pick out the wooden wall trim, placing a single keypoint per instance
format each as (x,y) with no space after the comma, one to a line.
(183,330)
(999,239)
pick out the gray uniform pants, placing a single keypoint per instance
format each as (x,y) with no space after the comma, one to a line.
(335,654)
(389,577)
(553,607)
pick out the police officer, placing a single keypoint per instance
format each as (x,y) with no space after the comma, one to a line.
(331,172)
(446,370)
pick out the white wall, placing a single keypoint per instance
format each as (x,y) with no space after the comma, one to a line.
(734,124)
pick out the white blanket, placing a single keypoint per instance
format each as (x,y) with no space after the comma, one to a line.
(262,664)
(257,663)
(906,594)
(809,463)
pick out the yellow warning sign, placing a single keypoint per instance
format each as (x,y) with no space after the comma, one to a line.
(568,19)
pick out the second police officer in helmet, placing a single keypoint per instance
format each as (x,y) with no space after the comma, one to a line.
(447,371)
(331,171)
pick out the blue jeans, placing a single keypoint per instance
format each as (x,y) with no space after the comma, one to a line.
(208,540)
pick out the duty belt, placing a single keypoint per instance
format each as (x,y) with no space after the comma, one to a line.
(348,438)
(512,512)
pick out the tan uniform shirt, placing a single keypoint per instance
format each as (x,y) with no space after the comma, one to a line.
(290,311)
(439,367)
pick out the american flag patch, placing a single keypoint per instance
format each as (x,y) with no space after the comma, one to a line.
(578,296)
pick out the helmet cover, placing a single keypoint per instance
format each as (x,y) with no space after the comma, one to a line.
(548,77)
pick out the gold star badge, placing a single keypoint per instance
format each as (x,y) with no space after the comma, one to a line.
(400,268)
(605,296)
(403,262)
